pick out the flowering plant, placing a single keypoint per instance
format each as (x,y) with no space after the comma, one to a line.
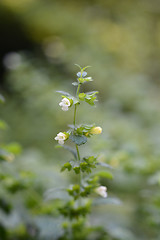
(77,208)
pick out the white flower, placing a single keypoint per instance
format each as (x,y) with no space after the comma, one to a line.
(60,138)
(65,103)
(102,191)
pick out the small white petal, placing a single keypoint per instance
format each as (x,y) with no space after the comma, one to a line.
(61,142)
(65,101)
(79,74)
(61,135)
(61,104)
(65,108)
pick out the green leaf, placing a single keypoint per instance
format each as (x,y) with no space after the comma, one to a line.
(77,139)
(87,164)
(75,100)
(83,80)
(82,96)
(84,167)
(75,83)
(64,93)
(70,149)
(86,67)
(91,93)
(83,129)
(74,191)
(90,100)
(90,160)
(104,165)
(80,130)
(14,148)
(90,97)
(66,166)
(71,126)
(104,174)
(88,79)
(77,170)
(75,166)
(78,66)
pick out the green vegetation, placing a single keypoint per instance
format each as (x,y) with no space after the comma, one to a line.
(121,41)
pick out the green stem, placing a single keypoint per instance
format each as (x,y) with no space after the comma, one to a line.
(79,159)
(74,122)
(78,89)
(78,155)
(75,107)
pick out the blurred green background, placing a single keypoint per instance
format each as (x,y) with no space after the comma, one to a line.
(41,40)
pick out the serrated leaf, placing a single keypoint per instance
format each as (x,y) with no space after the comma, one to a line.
(77,170)
(77,139)
(66,166)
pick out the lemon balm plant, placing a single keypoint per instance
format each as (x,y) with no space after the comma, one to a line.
(79,204)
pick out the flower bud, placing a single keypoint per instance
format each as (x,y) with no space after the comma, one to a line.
(96,130)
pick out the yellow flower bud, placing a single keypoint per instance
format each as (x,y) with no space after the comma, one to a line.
(96,130)
(86,134)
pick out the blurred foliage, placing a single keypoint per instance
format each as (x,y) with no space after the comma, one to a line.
(121,41)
